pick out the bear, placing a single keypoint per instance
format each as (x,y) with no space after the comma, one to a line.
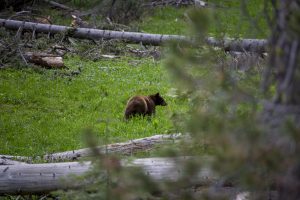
(143,105)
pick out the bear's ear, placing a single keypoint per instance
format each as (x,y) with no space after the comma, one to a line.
(157,94)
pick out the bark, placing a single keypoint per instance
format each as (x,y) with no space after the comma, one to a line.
(44,178)
(125,148)
(255,45)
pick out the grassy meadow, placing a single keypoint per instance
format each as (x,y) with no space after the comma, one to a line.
(44,111)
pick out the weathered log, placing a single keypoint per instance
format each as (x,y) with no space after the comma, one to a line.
(124,148)
(38,178)
(5,161)
(240,45)
(43,178)
(256,45)
(45,60)
(16,158)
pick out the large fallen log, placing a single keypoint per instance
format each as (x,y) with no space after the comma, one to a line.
(38,178)
(256,45)
(44,178)
(4,161)
(123,148)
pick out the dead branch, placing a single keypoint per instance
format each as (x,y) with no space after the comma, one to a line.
(61,6)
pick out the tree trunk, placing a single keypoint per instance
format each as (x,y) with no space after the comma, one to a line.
(284,55)
(255,45)
(285,64)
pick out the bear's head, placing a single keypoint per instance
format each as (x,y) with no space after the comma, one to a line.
(158,100)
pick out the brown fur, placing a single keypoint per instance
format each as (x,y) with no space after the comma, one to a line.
(143,105)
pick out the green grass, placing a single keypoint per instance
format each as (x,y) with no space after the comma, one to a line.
(43,113)
(227,18)
(166,20)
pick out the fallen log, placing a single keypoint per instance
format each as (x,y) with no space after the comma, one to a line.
(44,178)
(255,45)
(38,178)
(240,45)
(15,158)
(124,148)
(5,161)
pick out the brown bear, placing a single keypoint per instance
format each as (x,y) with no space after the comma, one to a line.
(143,105)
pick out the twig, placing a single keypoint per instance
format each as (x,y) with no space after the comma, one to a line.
(22,56)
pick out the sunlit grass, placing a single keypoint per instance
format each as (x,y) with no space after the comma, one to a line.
(228,17)
(45,112)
